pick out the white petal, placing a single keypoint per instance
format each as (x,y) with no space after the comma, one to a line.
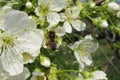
(68,11)
(78,25)
(99,75)
(12,61)
(60,31)
(75,45)
(31,42)
(53,18)
(113,6)
(23,76)
(2,18)
(89,45)
(3,74)
(39,75)
(26,73)
(37,11)
(87,59)
(83,58)
(58,5)
(89,37)
(6,9)
(78,57)
(62,17)
(17,22)
(67,27)
(45,2)
(40,14)
(76,12)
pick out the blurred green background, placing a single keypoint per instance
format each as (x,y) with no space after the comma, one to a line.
(106,60)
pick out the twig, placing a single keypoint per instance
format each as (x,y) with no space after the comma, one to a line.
(110,61)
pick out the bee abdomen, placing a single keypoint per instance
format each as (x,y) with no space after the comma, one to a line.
(53,46)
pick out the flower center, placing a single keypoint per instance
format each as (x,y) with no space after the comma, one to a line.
(69,18)
(7,39)
(45,8)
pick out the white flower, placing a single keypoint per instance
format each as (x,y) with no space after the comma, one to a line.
(49,9)
(112,6)
(71,20)
(38,76)
(18,37)
(82,50)
(99,75)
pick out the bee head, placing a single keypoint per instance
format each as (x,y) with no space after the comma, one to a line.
(51,34)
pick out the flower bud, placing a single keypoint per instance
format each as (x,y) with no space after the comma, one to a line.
(112,6)
(99,75)
(118,14)
(103,24)
(92,5)
(100,22)
(45,61)
(28,5)
(86,74)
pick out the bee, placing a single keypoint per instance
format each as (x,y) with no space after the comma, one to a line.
(99,2)
(51,42)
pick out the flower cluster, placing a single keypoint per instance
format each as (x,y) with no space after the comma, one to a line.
(46,39)
(20,42)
